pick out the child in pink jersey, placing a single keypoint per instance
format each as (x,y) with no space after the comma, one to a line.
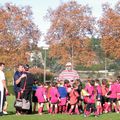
(118,93)
(47,86)
(85,99)
(54,98)
(112,94)
(104,88)
(117,84)
(91,100)
(74,99)
(68,88)
(40,94)
(99,96)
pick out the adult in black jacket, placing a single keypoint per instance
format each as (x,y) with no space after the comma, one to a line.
(27,84)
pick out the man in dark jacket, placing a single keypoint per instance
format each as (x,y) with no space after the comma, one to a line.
(27,84)
(18,77)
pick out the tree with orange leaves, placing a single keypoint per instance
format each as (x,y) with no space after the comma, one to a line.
(72,26)
(18,34)
(109,26)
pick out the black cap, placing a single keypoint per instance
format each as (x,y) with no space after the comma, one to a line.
(26,67)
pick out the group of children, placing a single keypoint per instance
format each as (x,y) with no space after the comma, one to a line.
(94,96)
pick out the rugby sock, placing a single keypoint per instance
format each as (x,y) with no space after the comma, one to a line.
(70,111)
(76,111)
(50,110)
(87,113)
(115,107)
(59,109)
(40,109)
(101,109)
(56,110)
(64,108)
(98,109)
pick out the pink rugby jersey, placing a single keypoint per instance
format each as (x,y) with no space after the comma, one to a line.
(113,90)
(118,91)
(99,89)
(91,90)
(54,95)
(40,94)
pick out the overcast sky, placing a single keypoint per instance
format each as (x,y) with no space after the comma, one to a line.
(39,8)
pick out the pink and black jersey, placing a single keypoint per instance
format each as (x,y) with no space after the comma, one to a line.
(113,91)
(40,94)
(91,90)
(54,95)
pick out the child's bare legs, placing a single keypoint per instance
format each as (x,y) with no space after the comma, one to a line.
(40,110)
(119,105)
(71,109)
(51,108)
(34,107)
(48,107)
(76,109)
(80,106)
(99,107)
(107,109)
(67,106)
(5,107)
(56,108)
(115,107)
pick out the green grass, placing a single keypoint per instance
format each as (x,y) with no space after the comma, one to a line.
(12,116)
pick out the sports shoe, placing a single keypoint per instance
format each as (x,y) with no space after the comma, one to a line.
(5,112)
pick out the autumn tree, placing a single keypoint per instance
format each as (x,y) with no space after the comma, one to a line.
(109,26)
(72,26)
(18,34)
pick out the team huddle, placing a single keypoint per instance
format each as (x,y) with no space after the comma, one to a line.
(62,96)
(94,96)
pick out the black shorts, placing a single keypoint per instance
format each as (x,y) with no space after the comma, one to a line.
(34,98)
(91,106)
(4,96)
(104,99)
(112,100)
(99,97)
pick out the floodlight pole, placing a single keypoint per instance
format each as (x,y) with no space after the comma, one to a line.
(45,48)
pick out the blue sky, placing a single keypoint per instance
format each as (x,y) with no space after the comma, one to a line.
(39,8)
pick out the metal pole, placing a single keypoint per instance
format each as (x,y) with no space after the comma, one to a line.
(105,68)
(45,67)
(72,56)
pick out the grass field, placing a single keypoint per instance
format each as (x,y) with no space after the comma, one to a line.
(12,116)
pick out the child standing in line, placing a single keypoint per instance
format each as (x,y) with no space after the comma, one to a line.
(47,87)
(54,98)
(34,98)
(86,89)
(68,88)
(40,94)
(112,94)
(79,84)
(63,97)
(84,97)
(104,88)
(99,96)
(118,94)
(91,100)
(74,99)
